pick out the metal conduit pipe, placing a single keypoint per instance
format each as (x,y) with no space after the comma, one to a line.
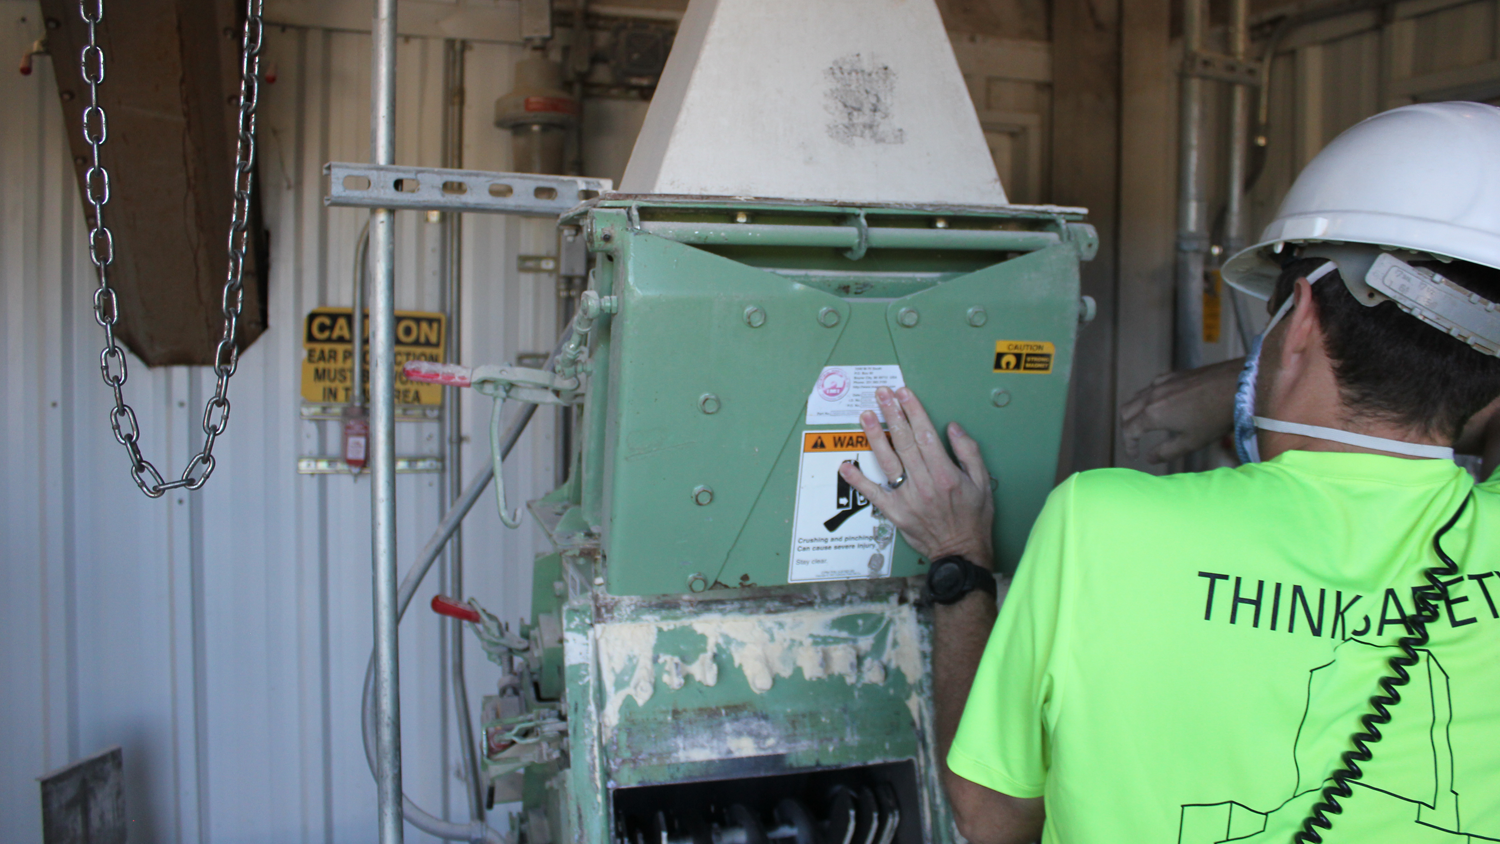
(1239,129)
(454,53)
(476,831)
(1192,242)
(383,434)
(1239,46)
(357,315)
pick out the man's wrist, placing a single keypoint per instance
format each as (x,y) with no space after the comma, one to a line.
(952,578)
(978,553)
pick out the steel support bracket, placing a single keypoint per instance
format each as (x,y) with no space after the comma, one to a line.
(533,386)
(1222,68)
(441,189)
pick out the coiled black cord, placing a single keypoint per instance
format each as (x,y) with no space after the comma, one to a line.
(1389,694)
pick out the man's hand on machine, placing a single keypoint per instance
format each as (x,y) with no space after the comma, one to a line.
(942,507)
(1194,408)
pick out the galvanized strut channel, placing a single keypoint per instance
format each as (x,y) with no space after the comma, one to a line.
(382,352)
(112,365)
(444,189)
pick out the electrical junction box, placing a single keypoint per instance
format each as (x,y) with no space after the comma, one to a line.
(729,643)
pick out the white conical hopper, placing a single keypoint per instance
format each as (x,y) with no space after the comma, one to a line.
(847,100)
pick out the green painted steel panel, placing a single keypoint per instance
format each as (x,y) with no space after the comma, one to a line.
(818,723)
(950,364)
(546,609)
(681,333)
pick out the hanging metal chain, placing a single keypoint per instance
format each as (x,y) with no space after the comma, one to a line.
(102,252)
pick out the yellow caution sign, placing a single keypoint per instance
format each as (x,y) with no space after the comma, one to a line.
(1030,356)
(1213,305)
(328,355)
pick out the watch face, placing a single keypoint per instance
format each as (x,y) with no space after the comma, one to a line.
(947,578)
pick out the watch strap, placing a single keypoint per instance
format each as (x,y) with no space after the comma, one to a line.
(975,577)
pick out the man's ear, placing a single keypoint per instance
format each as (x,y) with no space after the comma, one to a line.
(1303,326)
(1288,346)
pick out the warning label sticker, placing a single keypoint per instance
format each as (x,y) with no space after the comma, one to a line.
(1034,356)
(842,393)
(836,534)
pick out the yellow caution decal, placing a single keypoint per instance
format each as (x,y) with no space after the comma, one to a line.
(1031,356)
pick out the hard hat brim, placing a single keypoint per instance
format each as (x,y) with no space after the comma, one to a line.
(1255,272)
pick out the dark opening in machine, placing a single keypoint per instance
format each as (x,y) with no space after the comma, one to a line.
(868,804)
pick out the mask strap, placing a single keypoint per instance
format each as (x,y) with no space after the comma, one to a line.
(1327,267)
(1312,278)
(1318,432)
(1280,312)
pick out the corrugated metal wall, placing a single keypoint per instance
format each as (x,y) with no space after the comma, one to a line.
(1331,74)
(221,637)
(1326,76)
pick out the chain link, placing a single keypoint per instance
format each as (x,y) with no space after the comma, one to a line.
(101,246)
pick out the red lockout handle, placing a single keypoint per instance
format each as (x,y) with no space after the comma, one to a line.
(454,608)
(429,372)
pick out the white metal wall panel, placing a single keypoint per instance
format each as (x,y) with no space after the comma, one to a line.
(221,636)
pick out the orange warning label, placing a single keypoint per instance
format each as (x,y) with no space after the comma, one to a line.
(815,441)
(1034,356)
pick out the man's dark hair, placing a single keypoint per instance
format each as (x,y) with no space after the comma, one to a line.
(1394,367)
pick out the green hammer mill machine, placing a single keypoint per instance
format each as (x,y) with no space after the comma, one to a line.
(727,644)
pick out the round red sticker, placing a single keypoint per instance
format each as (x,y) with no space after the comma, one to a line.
(832,384)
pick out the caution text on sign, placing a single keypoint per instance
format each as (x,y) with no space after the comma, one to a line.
(1030,356)
(328,355)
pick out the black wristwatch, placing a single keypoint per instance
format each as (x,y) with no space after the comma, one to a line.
(953,577)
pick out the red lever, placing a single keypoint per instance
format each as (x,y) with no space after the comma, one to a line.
(454,608)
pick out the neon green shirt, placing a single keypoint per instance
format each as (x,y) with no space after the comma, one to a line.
(1183,658)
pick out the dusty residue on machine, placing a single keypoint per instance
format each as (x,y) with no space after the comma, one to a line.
(737,739)
(675,673)
(857,645)
(627,662)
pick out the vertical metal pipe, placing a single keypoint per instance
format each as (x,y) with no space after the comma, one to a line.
(1191,214)
(578,70)
(357,317)
(1239,140)
(382,352)
(452,257)
(1239,129)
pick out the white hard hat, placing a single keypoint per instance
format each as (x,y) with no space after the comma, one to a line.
(1420,178)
